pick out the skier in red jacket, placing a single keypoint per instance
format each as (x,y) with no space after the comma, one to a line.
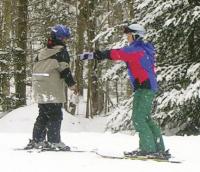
(140,59)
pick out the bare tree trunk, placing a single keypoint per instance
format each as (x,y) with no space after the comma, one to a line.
(81,24)
(130,4)
(4,65)
(88,106)
(107,97)
(101,96)
(20,59)
(116,90)
(92,78)
(117,14)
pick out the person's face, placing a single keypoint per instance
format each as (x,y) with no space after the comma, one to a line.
(130,37)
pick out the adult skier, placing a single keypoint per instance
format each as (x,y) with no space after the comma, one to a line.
(140,59)
(50,74)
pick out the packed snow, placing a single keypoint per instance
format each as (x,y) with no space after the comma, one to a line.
(85,134)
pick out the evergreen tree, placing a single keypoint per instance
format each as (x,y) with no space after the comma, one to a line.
(173,28)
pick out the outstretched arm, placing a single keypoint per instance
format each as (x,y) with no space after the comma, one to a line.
(122,54)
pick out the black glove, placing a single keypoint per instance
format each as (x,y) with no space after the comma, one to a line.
(101,55)
(98,54)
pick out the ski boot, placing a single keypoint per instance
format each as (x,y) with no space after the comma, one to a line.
(135,153)
(35,145)
(164,154)
(152,155)
(57,147)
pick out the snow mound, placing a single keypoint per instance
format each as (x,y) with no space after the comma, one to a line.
(22,120)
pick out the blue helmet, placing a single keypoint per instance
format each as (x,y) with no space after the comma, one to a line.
(61,31)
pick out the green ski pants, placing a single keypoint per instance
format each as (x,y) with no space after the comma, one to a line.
(149,132)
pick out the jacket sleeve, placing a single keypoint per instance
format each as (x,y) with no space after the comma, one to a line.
(125,54)
(63,60)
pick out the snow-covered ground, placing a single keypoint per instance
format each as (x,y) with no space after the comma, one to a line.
(86,134)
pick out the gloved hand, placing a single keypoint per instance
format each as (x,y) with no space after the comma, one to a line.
(98,54)
(74,88)
(87,56)
(101,55)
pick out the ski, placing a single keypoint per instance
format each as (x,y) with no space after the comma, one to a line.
(27,150)
(74,149)
(62,150)
(142,158)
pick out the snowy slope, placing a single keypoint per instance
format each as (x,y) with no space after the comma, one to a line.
(87,134)
(22,120)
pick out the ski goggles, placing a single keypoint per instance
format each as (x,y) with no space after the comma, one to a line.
(127,30)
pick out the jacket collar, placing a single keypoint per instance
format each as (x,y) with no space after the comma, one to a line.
(137,42)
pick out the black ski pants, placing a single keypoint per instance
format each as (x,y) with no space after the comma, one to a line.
(48,123)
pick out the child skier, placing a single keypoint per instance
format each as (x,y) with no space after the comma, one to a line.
(50,73)
(140,59)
